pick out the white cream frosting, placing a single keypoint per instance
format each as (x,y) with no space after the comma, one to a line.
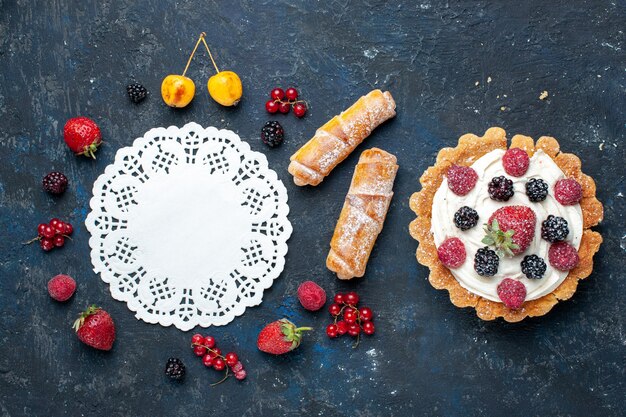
(446,203)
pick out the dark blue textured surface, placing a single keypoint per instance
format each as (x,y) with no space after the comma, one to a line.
(452,68)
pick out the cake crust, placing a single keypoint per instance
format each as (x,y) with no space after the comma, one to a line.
(471,147)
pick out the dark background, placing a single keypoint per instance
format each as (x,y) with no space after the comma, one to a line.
(452,68)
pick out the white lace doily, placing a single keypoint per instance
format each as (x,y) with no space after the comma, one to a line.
(188,226)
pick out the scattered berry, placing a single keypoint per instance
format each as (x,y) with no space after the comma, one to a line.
(451,252)
(280,337)
(536,190)
(554,229)
(272,134)
(512,293)
(212,357)
(563,256)
(291,94)
(500,188)
(533,267)
(515,162)
(465,218)
(461,180)
(95,328)
(568,191)
(311,296)
(299,109)
(486,262)
(271,106)
(136,92)
(241,375)
(61,287)
(82,135)
(510,230)
(368,328)
(174,368)
(284,107)
(277,94)
(354,319)
(53,234)
(351,298)
(55,183)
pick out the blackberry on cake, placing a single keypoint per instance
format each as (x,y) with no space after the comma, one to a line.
(486,262)
(465,218)
(536,190)
(554,229)
(500,188)
(533,267)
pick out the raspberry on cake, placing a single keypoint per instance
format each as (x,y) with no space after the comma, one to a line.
(538,243)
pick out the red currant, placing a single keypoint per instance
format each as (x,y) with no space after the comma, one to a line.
(366,313)
(277,94)
(207,360)
(271,106)
(342,327)
(219,364)
(215,352)
(351,298)
(354,330)
(241,375)
(48,232)
(59,241)
(197,339)
(284,107)
(209,342)
(199,350)
(331,330)
(231,359)
(59,227)
(334,309)
(291,93)
(68,229)
(46,244)
(54,222)
(339,298)
(41,228)
(349,316)
(299,109)
(368,328)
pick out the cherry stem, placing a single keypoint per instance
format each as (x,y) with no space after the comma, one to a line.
(210,54)
(202,35)
(226,375)
(358,339)
(32,240)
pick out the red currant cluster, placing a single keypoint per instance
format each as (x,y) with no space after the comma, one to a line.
(283,101)
(204,346)
(354,320)
(53,234)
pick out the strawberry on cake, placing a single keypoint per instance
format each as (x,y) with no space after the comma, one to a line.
(506,231)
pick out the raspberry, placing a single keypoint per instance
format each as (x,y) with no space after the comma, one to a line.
(568,191)
(461,180)
(311,296)
(55,183)
(136,92)
(61,287)
(452,252)
(174,368)
(500,188)
(512,293)
(533,267)
(554,229)
(515,162)
(563,256)
(536,190)
(272,134)
(486,262)
(465,218)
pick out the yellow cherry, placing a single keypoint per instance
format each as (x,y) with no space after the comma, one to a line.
(177,90)
(225,88)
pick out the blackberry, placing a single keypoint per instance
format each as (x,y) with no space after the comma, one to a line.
(536,190)
(272,134)
(501,188)
(174,368)
(554,229)
(486,262)
(55,183)
(533,267)
(465,218)
(136,92)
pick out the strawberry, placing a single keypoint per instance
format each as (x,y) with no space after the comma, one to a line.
(280,336)
(511,230)
(82,135)
(95,328)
